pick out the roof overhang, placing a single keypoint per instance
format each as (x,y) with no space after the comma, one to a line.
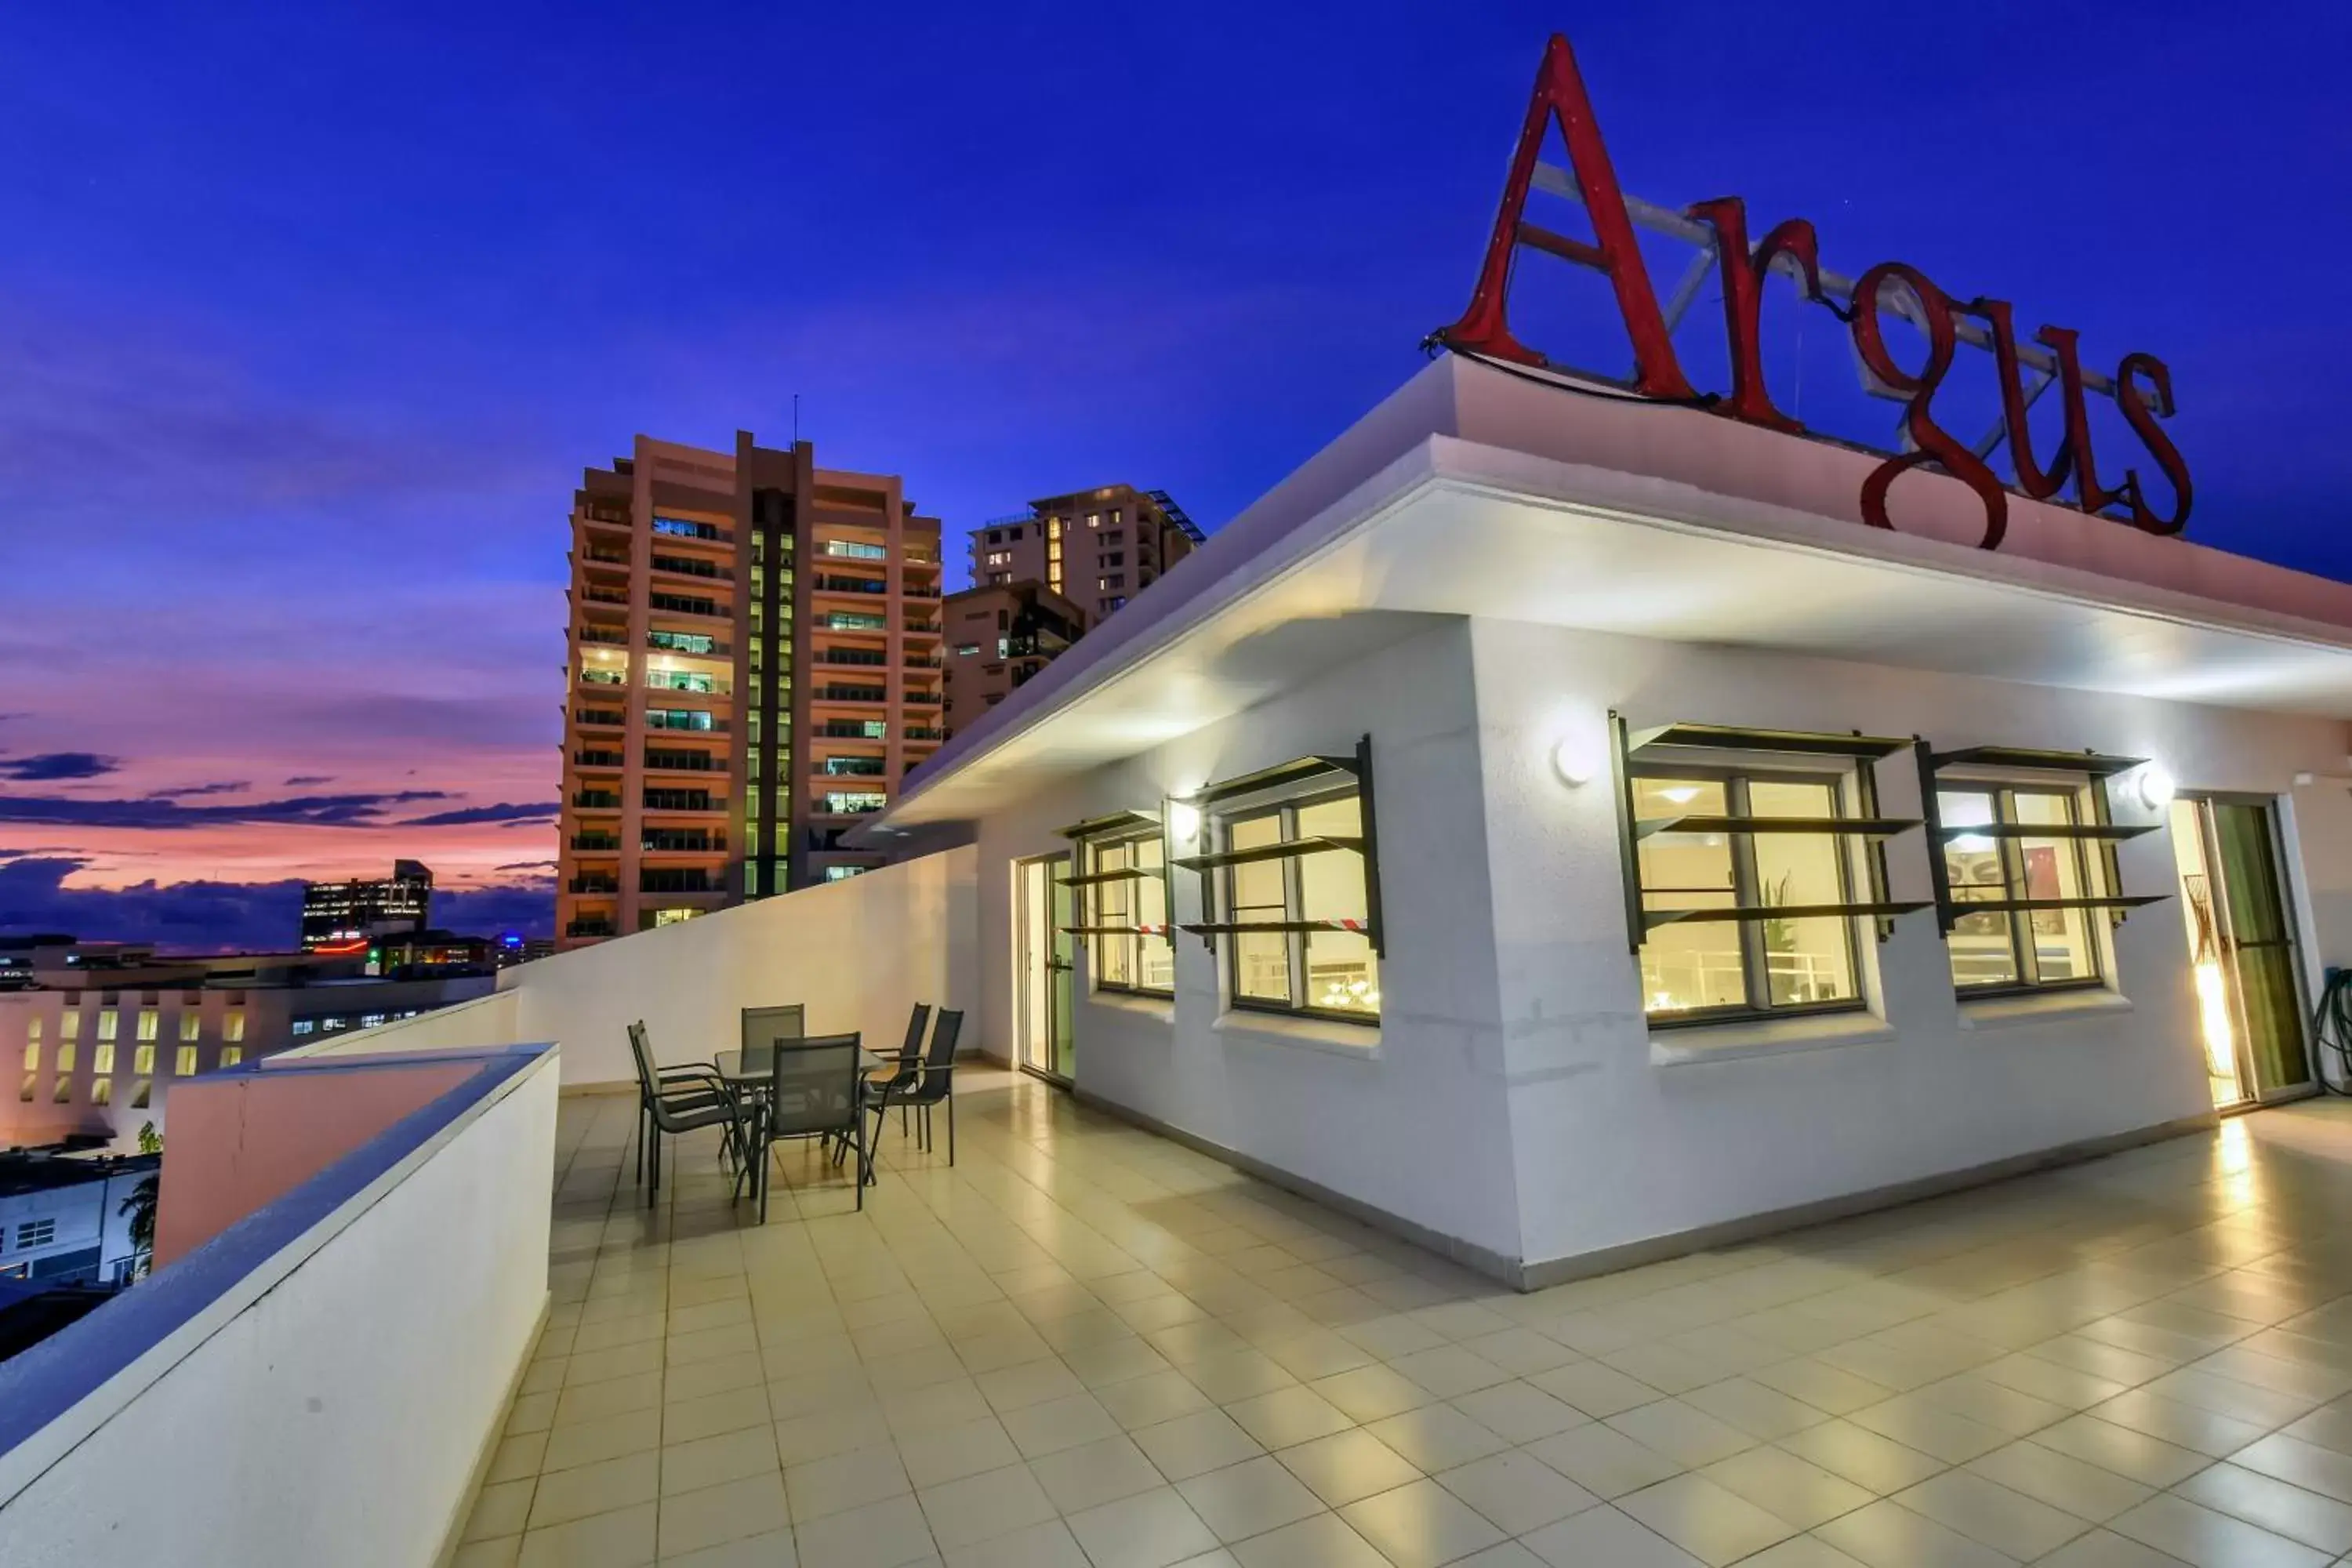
(1471,492)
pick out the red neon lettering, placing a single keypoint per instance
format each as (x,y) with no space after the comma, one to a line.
(2030,477)
(1743,274)
(2142,419)
(2089,494)
(1934,444)
(1484,327)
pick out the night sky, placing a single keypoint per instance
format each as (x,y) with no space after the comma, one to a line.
(308,323)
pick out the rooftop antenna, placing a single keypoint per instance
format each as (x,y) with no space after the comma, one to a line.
(796,418)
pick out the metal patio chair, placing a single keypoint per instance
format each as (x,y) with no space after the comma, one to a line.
(677,1101)
(935,1083)
(814,1093)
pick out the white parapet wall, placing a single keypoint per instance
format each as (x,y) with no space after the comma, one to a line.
(856,954)
(317,1384)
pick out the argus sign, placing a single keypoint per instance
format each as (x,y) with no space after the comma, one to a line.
(2141,386)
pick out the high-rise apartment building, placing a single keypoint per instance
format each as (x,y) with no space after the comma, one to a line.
(341,916)
(754,665)
(999,636)
(1097,548)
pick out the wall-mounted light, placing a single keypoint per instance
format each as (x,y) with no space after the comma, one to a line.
(1576,760)
(1183,822)
(2155,787)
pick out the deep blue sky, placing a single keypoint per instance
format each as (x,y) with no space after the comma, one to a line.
(308,319)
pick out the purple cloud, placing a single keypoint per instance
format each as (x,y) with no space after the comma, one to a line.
(311,811)
(299,780)
(504,811)
(183,791)
(50,767)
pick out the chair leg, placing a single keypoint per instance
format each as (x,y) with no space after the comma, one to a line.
(952,1127)
(653,1165)
(641,1141)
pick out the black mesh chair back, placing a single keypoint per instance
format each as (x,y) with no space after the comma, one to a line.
(906,1072)
(816,1087)
(765,1028)
(938,1062)
(644,1058)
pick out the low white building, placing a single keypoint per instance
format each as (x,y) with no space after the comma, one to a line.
(63,1218)
(1585,840)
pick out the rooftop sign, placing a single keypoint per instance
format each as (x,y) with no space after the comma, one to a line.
(2141,386)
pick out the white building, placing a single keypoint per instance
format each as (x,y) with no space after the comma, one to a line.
(1527,1053)
(62,1218)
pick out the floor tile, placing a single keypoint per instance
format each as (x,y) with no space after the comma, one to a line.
(1982,1510)
(1091,1474)
(1248,1498)
(1713,1524)
(1324,1541)
(1518,1412)
(1436,1438)
(845,1481)
(1347,1465)
(1058,1424)
(991,1503)
(1151,1529)
(1604,1536)
(594,1488)
(1421,1524)
(753,1505)
(1047,1545)
(1684,1434)
(1518,1491)
(887,1535)
(1603,1462)
(2082,1488)
(1790,1488)
(622,1538)
(2283,1509)
(1886,1535)
(2208,1538)
(1287,1416)
(707,1462)
(1192,1444)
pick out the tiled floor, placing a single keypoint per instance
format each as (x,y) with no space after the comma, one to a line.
(1086,1346)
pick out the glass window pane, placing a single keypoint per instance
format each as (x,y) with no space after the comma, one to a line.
(1156,960)
(1256,892)
(2052,869)
(1806,961)
(1114,956)
(1686,967)
(1342,972)
(1982,950)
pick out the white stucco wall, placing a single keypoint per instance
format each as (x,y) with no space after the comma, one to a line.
(1614,1147)
(334,1413)
(1407,1117)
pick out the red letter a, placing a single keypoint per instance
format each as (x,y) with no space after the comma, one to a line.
(1484,328)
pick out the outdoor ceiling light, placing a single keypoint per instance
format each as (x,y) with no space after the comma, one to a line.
(1183,822)
(1575,760)
(2156,788)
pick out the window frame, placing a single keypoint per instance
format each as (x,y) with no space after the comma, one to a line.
(1285,811)
(1755,971)
(1093,913)
(2024,958)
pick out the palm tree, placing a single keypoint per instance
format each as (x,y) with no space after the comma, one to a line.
(140,1207)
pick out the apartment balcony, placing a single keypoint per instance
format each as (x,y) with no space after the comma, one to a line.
(692,567)
(596,800)
(921,661)
(862,658)
(613,760)
(873,695)
(690,645)
(676,841)
(597,557)
(923,628)
(864,586)
(606,636)
(595,843)
(835,730)
(609,598)
(919,699)
(1083,1342)
(923,732)
(684,763)
(698,801)
(600,718)
(587,885)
